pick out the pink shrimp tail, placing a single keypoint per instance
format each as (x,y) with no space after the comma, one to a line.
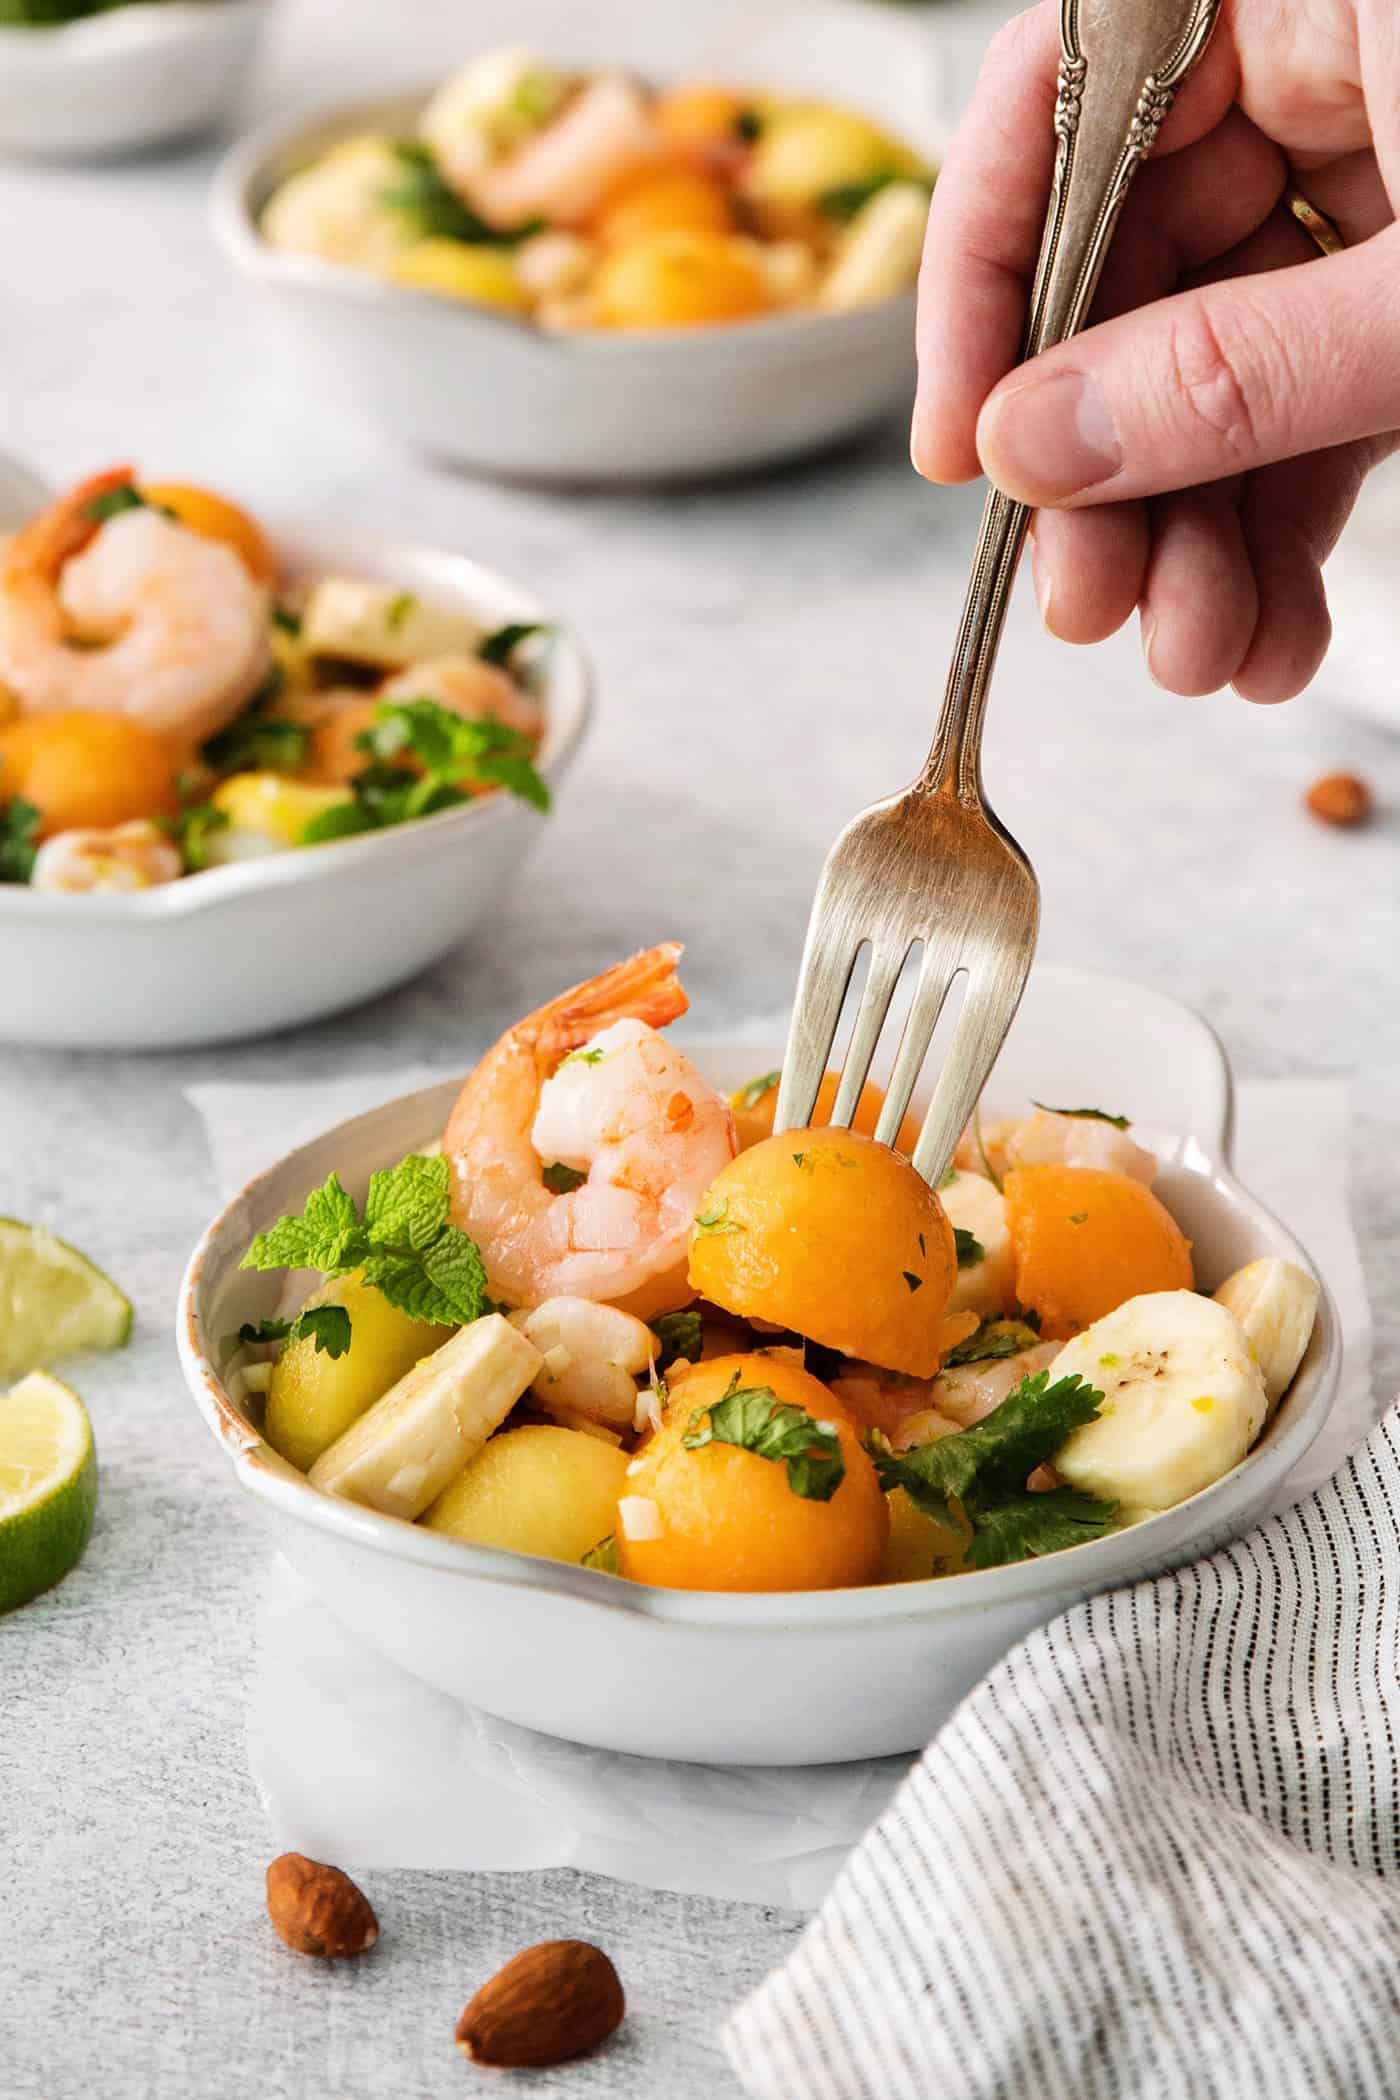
(64,528)
(644,988)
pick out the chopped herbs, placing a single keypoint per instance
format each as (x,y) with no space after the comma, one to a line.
(715,1218)
(848,198)
(603,1556)
(431,206)
(1092,1115)
(286,621)
(404,1245)
(19,834)
(112,502)
(753,1418)
(753,1092)
(583,1057)
(452,754)
(915,1283)
(398,610)
(680,1335)
(500,646)
(969,1247)
(559,1179)
(327,1325)
(192,830)
(748,126)
(257,742)
(1078,1217)
(984,1470)
(994,1338)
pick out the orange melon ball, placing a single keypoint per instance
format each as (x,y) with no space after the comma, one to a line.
(679,280)
(699,115)
(753,1111)
(728,1518)
(216,519)
(1085,1240)
(85,768)
(836,1237)
(662,200)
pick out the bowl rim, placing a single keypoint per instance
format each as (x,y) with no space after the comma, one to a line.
(236,198)
(1120,1557)
(569,693)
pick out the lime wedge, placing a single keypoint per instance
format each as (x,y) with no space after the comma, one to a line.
(52,1301)
(48,1486)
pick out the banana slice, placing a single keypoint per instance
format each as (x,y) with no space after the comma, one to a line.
(1183,1400)
(986,1287)
(1276,1304)
(401,1454)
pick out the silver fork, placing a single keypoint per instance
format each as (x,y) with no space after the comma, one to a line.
(933,866)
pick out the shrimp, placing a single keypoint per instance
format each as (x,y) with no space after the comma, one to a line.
(1050,1139)
(137,616)
(564,172)
(136,856)
(630,1113)
(468,687)
(967,1392)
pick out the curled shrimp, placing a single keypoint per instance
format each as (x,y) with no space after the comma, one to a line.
(631,1114)
(563,172)
(137,615)
(1049,1138)
(136,856)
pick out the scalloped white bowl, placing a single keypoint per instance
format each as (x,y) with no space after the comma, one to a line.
(805,1678)
(267,944)
(136,77)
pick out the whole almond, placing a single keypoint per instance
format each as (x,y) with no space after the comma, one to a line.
(317,1909)
(1339,798)
(549,2003)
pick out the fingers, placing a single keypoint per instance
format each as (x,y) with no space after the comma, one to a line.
(1219,380)
(1199,601)
(1088,568)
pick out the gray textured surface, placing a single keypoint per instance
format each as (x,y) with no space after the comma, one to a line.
(769,657)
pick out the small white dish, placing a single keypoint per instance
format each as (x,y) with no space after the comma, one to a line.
(806,1678)
(134,77)
(267,944)
(487,391)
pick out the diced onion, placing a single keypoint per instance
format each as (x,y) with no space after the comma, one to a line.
(639,1517)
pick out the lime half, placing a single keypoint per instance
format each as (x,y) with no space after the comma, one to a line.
(52,1301)
(48,1486)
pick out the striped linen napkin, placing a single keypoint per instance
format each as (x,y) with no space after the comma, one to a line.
(1153,1857)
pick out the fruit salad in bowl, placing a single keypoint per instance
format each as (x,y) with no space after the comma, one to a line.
(605,1320)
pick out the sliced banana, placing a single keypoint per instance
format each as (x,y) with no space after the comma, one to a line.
(1183,1400)
(1276,1304)
(401,1454)
(987,1287)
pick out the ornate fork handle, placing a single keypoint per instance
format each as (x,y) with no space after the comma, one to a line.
(1121,63)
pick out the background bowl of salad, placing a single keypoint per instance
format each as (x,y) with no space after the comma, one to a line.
(87,77)
(578,274)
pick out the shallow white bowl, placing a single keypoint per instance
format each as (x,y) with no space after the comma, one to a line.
(266,944)
(139,76)
(798,1679)
(486,390)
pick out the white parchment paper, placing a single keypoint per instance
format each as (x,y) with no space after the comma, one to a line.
(357,1761)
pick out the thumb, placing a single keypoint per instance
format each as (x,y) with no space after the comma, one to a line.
(1233,375)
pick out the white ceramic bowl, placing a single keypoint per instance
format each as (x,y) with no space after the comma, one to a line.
(488,391)
(797,1679)
(265,944)
(138,76)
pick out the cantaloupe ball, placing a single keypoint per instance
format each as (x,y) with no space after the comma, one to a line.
(1086,1240)
(662,200)
(215,518)
(679,280)
(836,1237)
(727,1518)
(697,116)
(537,1489)
(86,768)
(754,1105)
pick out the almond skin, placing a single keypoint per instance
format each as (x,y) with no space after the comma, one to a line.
(317,1909)
(549,2003)
(1339,798)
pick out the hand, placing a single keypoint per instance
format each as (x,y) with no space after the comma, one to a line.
(1197,451)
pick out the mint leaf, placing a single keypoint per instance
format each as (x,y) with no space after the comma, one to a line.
(754,1419)
(680,1334)
(500,646)
(407,1205)
(327,1235)
(969,1247)
(19,831)
(1093,1115)
(559,1179)
(994,1338)
(327,1325)
(454,1266)
(1025,1526)
(603,1556)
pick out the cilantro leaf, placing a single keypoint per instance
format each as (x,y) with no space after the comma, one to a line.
(559,1179)
(1092,1115)
(327,1235)
(19,831)
(112,502)
(751,1094)
(1024,1526)
(680,1334)
(455,753)
(847,198)
(407,1205)
(997,1455)
(286,620)
(994,1338)
(191,831)
(603,1556)
(257,742)
(342,821)
(970,1248)
(754,1419)
(431,206)
(500,645)
(327,1325)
